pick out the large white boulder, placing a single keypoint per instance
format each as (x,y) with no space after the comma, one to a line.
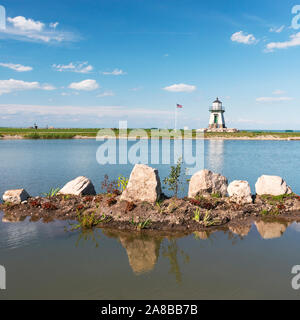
(79,186)
(207,182)
(15,196)
(143,185)
(239,191)
(272,185)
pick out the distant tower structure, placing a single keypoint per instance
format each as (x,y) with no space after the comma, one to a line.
(216,119)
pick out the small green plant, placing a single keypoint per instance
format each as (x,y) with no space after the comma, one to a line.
(264,212)
(66,197)
(197,214)
(52,193)
(122,183)
(173,180)
(172,206)
(275,199)
(208,220)
(141,224)
(216,195)
(159,207)
(86,221)
(273,212)
(144,224)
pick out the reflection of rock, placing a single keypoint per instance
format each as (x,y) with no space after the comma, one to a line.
(142,252)
(270,230)
(241,230)
(203,235)
(271,185)
(7,218)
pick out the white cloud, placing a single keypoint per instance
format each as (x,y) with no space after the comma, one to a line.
(16,67)
(181,87)
(85,85)
(273,99)
(26,29)
(106,94)
(278,92)
(242,37)
(12,85)
(26,24)
(53,25)
(115,72)
(277,30)
(292,42)
(48,87)
(83,67)
(136,89)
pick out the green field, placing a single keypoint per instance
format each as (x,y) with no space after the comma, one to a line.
(70,133)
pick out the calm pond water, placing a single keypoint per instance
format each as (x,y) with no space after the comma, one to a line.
(45,261)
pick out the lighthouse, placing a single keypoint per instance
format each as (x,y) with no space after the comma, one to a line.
(216,120)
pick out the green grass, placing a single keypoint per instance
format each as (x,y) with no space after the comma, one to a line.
(273,212)
(216,195)
(140,225)
(275,199)
(52,193)
(197,214)
(69,133)
(49,136)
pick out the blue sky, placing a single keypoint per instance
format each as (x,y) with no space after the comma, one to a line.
(92,63)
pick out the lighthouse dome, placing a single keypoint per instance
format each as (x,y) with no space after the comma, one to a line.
(217,105)
(217,101)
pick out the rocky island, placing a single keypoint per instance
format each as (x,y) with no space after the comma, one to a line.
(211,203)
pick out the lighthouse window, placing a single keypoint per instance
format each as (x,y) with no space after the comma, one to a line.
(216,118)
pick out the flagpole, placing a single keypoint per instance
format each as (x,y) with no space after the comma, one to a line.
(176,118)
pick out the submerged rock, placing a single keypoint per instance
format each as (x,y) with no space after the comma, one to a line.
(143,185)
(79,186)
(15,196)
(207,182)
(240,192)
(271,185)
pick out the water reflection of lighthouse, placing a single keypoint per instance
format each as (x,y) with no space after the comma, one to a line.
(215,159)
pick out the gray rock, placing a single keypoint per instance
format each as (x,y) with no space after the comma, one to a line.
(206,182)
(240,192)
(15,196)
(272,185)
(143,185)
(79,186)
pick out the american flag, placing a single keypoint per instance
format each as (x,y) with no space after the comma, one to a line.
(179,106)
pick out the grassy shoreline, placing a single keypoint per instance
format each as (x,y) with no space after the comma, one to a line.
(15,133)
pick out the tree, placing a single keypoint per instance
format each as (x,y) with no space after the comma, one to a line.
(173,180)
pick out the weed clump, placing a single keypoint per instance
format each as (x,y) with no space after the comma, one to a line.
(49,206)
(130,206)
(111,201)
